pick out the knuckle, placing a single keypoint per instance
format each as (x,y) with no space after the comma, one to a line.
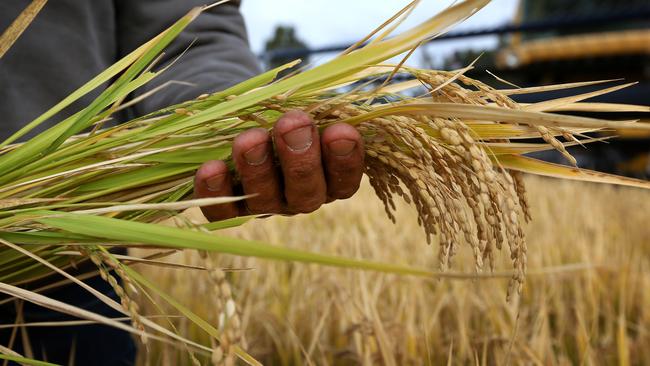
(347,166)
(266,206)
(344,183)
(214,214)
(307,204)
(346,170)
(302,169)
(343,193)
(346,190)
(257,177)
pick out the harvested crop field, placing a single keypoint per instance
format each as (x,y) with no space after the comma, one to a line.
(586,299)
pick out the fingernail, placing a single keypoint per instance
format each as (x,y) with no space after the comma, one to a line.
(342,147)
(215,183)
(299,139)
(257,155)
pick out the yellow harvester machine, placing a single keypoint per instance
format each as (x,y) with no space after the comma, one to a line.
(614,43)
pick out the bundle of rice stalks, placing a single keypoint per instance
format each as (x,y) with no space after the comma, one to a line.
(454,152)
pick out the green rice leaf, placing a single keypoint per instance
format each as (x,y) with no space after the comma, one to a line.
(26,361)
(134,63)
(120,87)
(137,177)
(164,236)
(228,223)
(342,66)
(195,156)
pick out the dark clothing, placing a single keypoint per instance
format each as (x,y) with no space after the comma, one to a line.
(97,345)
(70,42)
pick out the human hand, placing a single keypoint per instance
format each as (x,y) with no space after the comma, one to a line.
(312,169)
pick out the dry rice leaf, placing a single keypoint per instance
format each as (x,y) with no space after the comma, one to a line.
(172,206)
(6,203)
(538,167)
(511,148)
(11,34)
(568,101)
(487,113)
(545,88)
(596,107)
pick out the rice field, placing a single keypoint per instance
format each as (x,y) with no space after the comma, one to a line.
(586,298)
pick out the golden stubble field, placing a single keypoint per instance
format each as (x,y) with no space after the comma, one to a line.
(586,298)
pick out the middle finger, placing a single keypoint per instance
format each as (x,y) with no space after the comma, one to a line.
(298,147)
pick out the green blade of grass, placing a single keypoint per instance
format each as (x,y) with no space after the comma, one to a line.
(97,81)
(153,234)
(26,361)
(342,66)
(54,137)
(228,223)
(119,89)
(196,156)
(137,177)
(44,237)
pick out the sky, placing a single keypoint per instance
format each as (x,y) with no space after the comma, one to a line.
(321,23)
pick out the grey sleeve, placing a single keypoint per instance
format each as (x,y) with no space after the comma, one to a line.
(219,57)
